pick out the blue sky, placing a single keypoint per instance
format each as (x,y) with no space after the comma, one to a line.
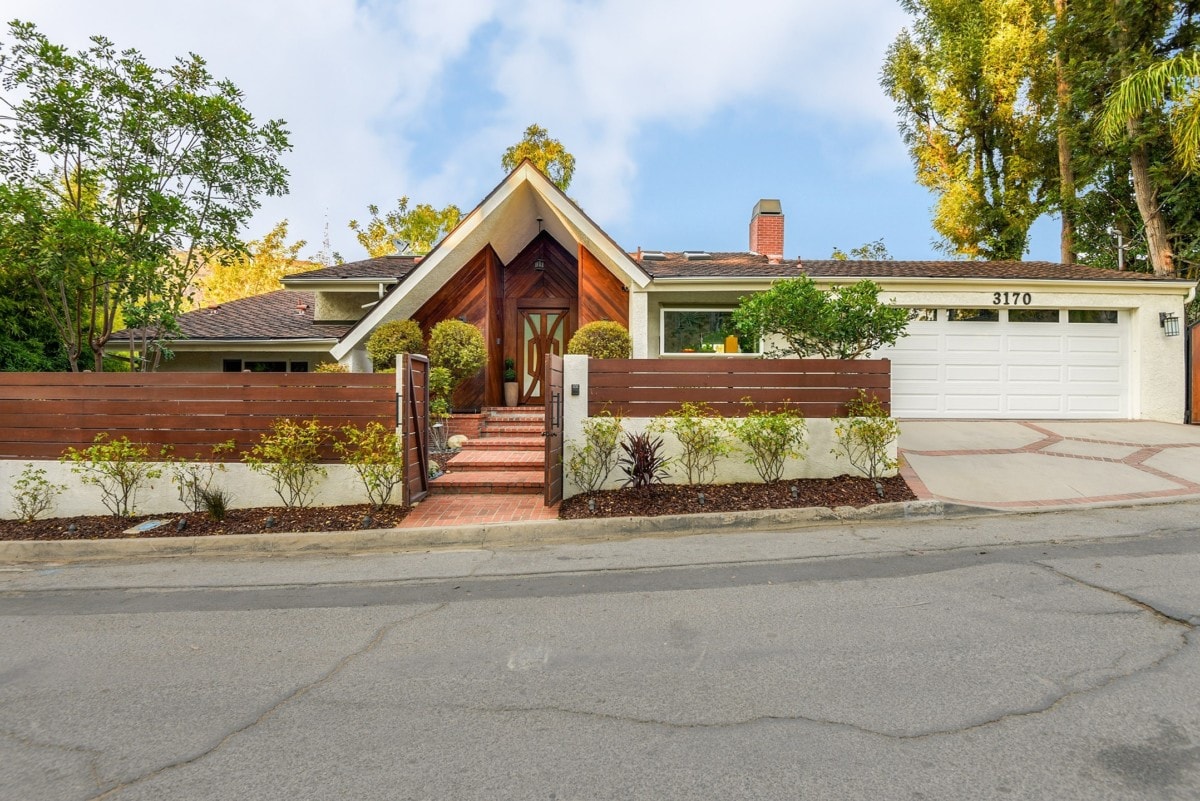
(681,114)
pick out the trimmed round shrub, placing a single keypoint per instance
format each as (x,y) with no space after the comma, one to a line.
(392,337)
(458,347)
(601,340)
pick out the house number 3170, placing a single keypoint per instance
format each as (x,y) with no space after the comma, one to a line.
(1011,298)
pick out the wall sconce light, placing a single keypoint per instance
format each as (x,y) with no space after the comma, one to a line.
(1169,323)
(540,266)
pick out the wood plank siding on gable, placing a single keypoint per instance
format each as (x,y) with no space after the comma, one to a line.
(602,296)
(490,294)
(466,295)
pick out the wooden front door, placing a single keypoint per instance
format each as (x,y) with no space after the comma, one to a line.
(542,332)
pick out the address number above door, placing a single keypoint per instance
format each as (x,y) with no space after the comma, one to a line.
(1012,298)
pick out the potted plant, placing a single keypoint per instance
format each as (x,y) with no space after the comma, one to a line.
(511,387)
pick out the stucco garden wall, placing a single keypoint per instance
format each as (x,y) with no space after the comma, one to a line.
(818,461)
(160,496)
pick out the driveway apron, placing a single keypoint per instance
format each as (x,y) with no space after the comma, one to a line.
(1011,464)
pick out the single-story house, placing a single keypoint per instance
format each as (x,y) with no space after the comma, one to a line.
(988,339)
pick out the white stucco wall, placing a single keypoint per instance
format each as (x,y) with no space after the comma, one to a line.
(818,461)
(160,496)
(341,306)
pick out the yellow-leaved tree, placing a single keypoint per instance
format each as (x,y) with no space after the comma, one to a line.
(257,270)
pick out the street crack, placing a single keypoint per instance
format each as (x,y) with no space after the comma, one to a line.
(291,697)
(1163,616)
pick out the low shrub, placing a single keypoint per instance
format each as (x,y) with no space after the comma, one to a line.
(33,495)
(331,367)
(703,436)
(458,347)
(865,437)
(771,438)
(118,467)
(374,453)
(602,339)
(593,460)
(391,338)
(288,454)
(642,460)
(193,477)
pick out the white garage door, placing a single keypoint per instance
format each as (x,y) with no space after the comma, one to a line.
(1012,363)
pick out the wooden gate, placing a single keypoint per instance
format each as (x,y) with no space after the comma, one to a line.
(414,425)
(553,383)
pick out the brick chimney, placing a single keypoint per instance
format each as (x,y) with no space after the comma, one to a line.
(766,229)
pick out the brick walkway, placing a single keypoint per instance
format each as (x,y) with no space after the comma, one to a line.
(460,510)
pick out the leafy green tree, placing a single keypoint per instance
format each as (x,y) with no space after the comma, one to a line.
(840,323)
(117,177)
(257,269)
(868,251)
(547,154)
(417,229)
(974,94)
(28,340)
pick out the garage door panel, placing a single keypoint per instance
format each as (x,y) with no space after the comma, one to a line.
(1109,374)
(1093,405)
(978,343)
(1040,404)
(1018,343)
(916,404)
(1036,373)
(914,372)
(973,372)
(975,404)
(918,342)
(1108,345)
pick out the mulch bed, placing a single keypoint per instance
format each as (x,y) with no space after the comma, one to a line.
(199,524)
(665,499)
(674,499)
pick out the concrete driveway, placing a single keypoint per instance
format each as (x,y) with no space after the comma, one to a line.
(1011,464)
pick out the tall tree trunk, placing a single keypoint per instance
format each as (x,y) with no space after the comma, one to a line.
(1066,169)
(1158,243)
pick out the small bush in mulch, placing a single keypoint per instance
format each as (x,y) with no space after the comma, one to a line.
(680,499)
(199,524)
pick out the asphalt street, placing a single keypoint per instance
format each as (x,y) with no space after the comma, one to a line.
(1044,656)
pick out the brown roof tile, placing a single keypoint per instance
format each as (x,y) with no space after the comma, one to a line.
(283,314)
(752,265)
(396,267)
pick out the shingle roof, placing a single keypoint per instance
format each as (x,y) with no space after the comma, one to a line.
(752,265)
(384,267)
(285,314)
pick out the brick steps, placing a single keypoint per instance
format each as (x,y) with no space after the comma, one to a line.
(491,429)
(483,459)
(537,443)
(507,458)
(500,482)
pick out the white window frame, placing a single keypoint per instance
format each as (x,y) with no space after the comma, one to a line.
(662,332)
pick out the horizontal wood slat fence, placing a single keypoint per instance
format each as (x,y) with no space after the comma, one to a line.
(42,414)
(653,387)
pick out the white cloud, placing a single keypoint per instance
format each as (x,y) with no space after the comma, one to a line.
(363,85)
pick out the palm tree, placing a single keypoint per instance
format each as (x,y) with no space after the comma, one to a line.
(1172,85)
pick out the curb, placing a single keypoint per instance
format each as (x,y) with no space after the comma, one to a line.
(497,535)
